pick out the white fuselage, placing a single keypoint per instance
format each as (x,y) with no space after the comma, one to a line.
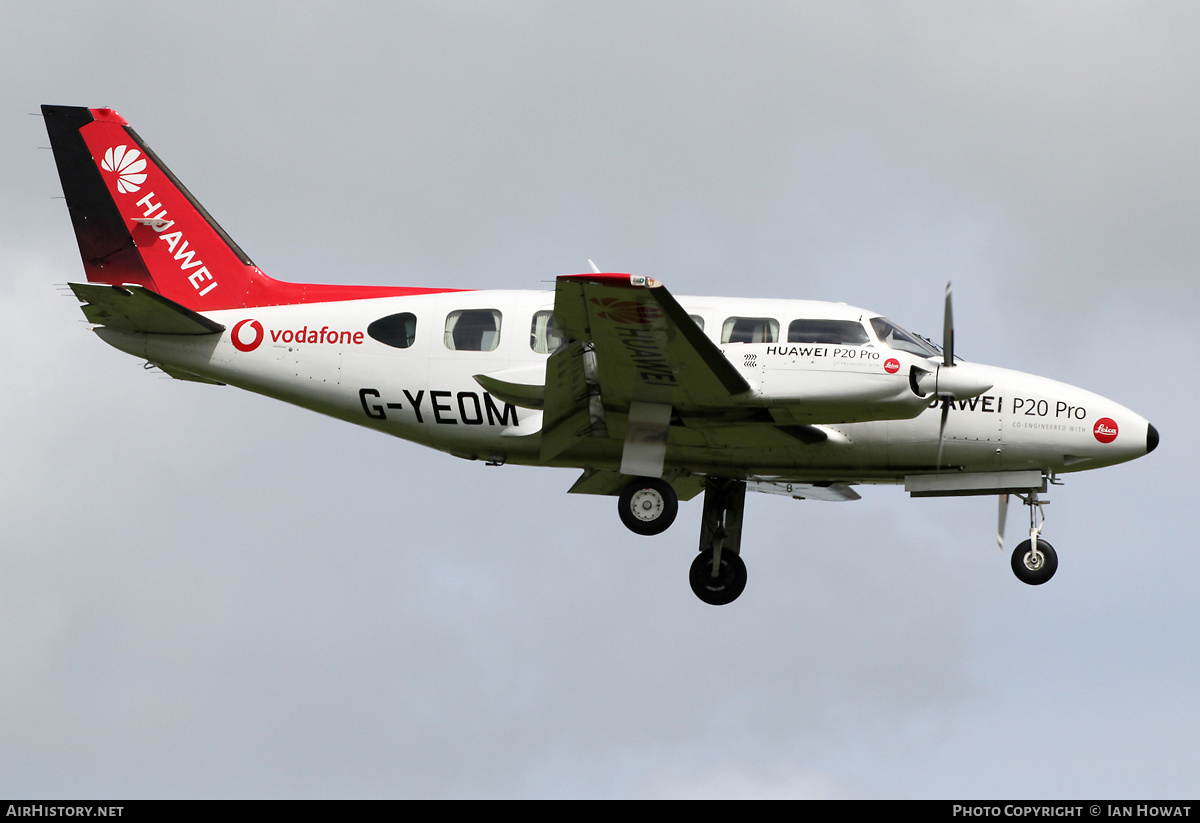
(320,356)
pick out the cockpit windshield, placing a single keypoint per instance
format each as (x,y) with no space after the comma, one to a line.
(897,338)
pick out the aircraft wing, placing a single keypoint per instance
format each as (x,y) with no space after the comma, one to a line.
(634,352)
(647,348)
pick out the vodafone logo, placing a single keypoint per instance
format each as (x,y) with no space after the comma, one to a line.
(891,365)
(1106,430)
(128,164)
(247,335)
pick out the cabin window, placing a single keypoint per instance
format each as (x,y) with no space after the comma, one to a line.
(838,332)
(396,330)
(750,330)
(542,337)
(698,320)
(473,330)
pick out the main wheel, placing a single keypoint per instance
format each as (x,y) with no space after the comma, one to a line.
(648,505)
(726,586)
(1034,568)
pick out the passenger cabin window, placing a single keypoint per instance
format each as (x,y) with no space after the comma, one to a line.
(396,330)
(542,337)
(838,332)
(698,320)
(750,330)
(473,330)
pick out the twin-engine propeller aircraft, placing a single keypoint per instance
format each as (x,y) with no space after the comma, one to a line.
(655,398)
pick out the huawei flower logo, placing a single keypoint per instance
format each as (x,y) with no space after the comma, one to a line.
(128,164)
(628,312)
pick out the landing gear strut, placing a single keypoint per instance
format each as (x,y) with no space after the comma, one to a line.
(718,574)
(1034,561)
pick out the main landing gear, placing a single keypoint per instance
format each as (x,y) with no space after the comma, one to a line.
(648,506)
(1034,561)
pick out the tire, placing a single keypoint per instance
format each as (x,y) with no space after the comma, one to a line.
(648,505)
(725,587)
(1025,568)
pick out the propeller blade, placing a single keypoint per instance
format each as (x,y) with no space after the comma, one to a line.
(948,332)
(942,430)
(1000,526)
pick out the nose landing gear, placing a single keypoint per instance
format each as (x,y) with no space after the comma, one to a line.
(1034,561)
(1034,566)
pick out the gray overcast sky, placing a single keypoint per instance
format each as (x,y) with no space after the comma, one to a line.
(205,593)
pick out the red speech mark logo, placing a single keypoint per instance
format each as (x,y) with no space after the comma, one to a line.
(240,342)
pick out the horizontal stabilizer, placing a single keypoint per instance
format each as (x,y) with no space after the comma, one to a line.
(524,386)
(138,309)
(179,374)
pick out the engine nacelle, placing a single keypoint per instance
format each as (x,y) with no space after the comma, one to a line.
(959,381)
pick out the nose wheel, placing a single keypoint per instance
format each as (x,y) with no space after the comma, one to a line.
(1034,565)
(1034,561)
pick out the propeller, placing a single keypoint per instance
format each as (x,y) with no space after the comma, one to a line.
(1003,516)
(947,362)
(948,331)
(948,381)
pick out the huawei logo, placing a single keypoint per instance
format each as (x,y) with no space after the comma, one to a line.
(627,312)
(128,164)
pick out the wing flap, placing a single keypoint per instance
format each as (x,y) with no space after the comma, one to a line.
(571,409)
(610,482)
(829,492)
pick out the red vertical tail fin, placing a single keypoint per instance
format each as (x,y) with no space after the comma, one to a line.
(137,224)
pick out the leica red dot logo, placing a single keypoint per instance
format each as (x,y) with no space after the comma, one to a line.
(247,339)
(1106,430)
(891,366)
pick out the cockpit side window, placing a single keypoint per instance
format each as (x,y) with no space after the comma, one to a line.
(839,332)
(897,338)
(396,330)
(750,330)
(542,337)
(473,330)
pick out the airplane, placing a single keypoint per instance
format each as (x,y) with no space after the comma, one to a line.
(656,399)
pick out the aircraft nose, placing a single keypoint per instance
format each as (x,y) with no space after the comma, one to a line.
(1151,438)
